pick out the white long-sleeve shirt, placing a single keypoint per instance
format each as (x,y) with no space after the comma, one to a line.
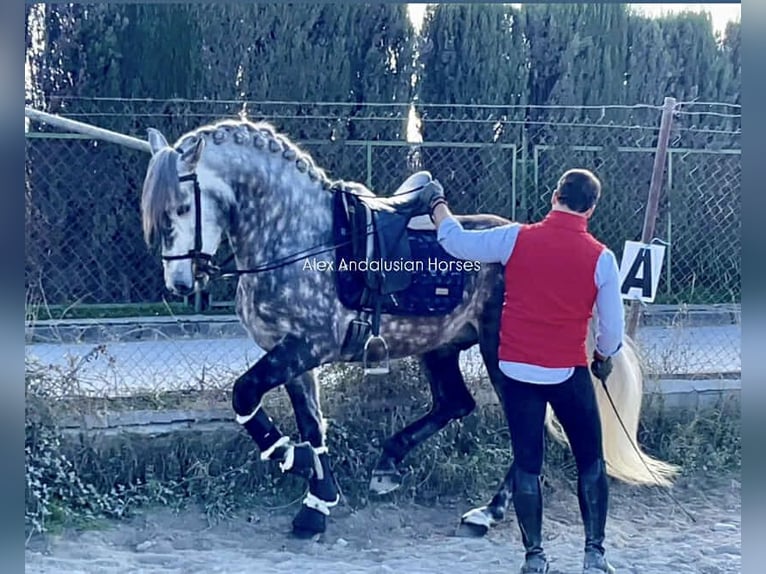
(495,245)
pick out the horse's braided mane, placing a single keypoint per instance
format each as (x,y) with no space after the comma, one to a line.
(263,135)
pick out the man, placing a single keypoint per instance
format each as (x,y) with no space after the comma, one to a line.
(555,272)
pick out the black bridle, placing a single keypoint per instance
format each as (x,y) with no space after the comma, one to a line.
(202,263)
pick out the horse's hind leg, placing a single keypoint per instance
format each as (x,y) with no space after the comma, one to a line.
(323,492)
(479,520)
(451,400)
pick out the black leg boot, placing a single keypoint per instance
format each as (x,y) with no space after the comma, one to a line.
(593,495)
(528,503)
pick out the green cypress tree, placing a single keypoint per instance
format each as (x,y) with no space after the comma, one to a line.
(472,54)
(85,194)
(691,59)
(732,56)
(209,53)
(353,55)
(578,59)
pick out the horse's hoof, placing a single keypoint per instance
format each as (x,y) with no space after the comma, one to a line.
(468,530)
(383,482)
(308,523)
(475,523)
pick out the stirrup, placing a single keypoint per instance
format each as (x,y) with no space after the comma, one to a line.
(380,367)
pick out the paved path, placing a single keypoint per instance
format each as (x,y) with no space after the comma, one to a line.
(169,363)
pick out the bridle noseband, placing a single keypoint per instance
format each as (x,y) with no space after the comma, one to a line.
(202,265)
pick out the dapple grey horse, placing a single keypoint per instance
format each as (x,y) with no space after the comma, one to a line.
(245,182)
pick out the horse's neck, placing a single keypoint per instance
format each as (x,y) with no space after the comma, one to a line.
(275,224)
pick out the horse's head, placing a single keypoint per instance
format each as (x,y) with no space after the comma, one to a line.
(185,207)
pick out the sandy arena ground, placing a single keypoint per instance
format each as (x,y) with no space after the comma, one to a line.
(646,534)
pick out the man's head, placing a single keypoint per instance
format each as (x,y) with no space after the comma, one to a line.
(578,191)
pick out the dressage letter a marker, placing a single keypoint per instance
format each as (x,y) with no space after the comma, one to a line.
(640,270)
(639,275)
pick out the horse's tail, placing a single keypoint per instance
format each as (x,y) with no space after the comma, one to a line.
(626,389)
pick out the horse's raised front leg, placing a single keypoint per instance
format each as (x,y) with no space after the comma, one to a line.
(323,491)
(451,400)
(289,359)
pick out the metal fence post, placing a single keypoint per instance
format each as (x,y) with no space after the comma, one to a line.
(668,251)
(524,173)
(369,164)
(653,200)
(513,183)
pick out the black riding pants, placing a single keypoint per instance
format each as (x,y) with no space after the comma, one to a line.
(574,403)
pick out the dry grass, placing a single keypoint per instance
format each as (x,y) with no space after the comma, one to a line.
(89,476)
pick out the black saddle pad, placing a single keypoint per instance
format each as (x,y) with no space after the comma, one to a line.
(438,279)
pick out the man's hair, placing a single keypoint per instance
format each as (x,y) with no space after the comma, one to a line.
(579,189)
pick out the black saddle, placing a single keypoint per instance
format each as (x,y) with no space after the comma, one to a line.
(378,231)
(376,228)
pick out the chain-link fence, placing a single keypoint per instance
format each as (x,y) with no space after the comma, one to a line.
(90,278)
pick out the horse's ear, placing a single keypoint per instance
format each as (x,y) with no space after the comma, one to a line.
(156,140)
(191,156)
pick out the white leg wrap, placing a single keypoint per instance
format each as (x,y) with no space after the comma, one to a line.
(242,419)
(320,505)
(478,517)
(289,461)
(287,464)
(266,454)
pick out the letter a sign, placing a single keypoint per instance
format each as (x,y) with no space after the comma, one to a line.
(640,269)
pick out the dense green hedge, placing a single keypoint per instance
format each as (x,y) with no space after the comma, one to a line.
(83,241)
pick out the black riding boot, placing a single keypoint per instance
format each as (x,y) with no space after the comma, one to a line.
(528,503)
(593,495)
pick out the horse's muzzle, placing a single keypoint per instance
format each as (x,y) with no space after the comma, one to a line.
(182,289)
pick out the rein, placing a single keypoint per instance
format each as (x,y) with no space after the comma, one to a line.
(202,263)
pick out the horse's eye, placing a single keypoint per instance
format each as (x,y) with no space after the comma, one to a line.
(183,210)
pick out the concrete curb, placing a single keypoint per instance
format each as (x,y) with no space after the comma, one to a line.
(670,394)
(695,395)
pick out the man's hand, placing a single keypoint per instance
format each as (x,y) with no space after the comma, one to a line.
(432,195)
(601,367)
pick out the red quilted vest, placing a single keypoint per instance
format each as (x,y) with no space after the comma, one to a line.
(550,292)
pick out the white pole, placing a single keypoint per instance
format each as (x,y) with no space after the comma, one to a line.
(97,133)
